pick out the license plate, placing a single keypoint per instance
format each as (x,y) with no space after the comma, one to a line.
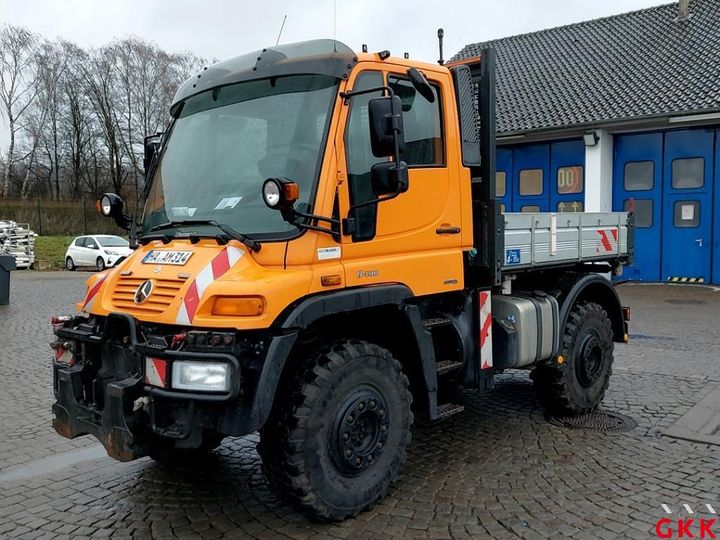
(156,256)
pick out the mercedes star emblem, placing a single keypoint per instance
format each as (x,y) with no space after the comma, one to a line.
(143,292)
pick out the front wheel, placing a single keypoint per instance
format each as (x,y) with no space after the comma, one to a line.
(338,438)
(578,385)
(100,264)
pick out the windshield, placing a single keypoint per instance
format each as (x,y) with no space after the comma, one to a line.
(112,241)
(228,140)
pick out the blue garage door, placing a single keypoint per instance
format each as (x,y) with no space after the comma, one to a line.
(503,178)
(547,177)
(716,213)
(637,179)
(687,205)
(667,180)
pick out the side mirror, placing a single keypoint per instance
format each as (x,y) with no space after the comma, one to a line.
(421,84)
(386,126)
(112,205)
(152,146)
(389,178)
(280,193)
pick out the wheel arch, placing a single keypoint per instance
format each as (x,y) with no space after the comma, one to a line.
(594,288)
(380,314)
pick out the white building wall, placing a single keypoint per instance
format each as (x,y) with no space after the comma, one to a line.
(598,174)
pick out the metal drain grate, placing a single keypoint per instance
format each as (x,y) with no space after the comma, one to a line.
(595,421)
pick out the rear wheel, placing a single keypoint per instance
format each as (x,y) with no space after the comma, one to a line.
(338,435)
(70,264)
(578,385)
(100,264)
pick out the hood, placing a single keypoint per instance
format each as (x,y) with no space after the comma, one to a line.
(178,283)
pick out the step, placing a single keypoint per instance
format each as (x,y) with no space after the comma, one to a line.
(446,366)
(436,321)
(446,410)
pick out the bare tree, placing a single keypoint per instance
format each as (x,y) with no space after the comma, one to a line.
(17,88)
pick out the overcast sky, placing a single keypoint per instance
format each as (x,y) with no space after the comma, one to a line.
(225,28)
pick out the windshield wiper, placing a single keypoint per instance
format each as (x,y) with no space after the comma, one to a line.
(251,244)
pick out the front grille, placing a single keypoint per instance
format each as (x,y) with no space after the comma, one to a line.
(164,291)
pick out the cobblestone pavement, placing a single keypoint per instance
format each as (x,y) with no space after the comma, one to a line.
(498,469)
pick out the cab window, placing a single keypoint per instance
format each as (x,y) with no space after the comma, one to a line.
(421,123)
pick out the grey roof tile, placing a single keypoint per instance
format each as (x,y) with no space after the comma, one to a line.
(637,64)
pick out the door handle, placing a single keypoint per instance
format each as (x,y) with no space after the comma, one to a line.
(447,230)
(699,241)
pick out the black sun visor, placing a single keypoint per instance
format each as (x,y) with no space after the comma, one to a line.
(316,57)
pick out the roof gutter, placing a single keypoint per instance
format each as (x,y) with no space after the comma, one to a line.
(616,125)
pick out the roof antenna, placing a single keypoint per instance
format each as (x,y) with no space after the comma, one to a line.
(683,10)
(282,26)
(440,39)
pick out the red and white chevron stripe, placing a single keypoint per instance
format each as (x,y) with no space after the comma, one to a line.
(92,293)
(608,241)
(486,350)
(222,262)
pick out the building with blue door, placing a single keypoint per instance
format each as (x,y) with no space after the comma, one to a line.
(619,113)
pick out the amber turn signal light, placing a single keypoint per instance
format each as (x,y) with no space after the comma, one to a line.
(239,306)
(329,281)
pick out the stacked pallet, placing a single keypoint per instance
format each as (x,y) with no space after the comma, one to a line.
(17,240)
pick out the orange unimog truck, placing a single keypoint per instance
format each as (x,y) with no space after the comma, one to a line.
(321,257)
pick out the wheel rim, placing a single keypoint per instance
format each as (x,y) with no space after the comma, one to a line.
(69,264)
(100,264)
(360,431)
(590,360)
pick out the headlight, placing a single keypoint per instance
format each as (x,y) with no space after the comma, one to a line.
(201,376)
(280,193)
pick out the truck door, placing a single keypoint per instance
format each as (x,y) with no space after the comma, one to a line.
(687,205)
(415,238)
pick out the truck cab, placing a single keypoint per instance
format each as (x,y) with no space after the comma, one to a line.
(319,257)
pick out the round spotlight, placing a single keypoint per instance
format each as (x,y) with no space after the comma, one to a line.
(272,192)
(105,205)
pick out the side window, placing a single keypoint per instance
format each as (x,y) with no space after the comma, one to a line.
(643,209)
(80,242)
(688,173)
(639,175)
(500,184)
(422,125)
(531,182)
(360,158)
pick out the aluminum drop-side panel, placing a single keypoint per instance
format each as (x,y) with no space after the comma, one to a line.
(544,239)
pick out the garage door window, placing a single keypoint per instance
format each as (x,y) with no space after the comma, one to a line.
(687,214)
(570,206)
(639,175)
(570,180)
(688,173)
(529,209)
(500,183)
(531,182)
(643,209)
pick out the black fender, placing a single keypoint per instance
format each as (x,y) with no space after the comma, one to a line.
(300,316)
(593,288)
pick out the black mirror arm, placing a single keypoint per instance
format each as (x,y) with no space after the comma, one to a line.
(293,217)
(352,93)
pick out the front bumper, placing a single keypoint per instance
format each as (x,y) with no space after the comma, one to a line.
(105,393)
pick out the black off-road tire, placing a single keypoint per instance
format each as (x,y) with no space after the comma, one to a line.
(578,385)
(339,431)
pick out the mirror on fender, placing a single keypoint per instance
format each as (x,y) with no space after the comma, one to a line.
(386,126)
(112,205)
(152,146)
(389,178)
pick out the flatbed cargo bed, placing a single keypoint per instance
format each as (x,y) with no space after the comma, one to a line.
(534,240)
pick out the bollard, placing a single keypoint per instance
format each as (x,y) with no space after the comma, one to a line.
(7,264)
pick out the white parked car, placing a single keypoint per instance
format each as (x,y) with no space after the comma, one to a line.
(99,251)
